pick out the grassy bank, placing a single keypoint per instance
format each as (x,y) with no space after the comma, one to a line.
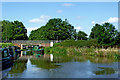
(6,44)
(56,50)
(110,52)
(79,43)
(89,48)
(84,43)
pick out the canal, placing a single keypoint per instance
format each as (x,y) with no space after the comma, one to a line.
(65,67)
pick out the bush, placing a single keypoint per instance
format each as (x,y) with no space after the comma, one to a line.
(79,43)
(55,50)
(29,53)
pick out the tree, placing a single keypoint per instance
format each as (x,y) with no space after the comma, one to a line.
(20,33)
(39,34)
(117,39)
(95,31)
(55,29)
(82,35)
(13,30)
(105,34)
(7,30)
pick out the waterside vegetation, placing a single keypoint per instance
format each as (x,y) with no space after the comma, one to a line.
(89,48)
(3,45)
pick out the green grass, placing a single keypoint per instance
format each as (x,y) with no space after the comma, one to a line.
(79,43)
(55,51)
(29,53)
(6,44)
(81,47)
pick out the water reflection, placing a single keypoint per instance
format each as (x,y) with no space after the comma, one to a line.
(18,67)
(43,63)
(62,59)
(46,63)
(95,59)
(102,60)
(65,66)
(105,71)
(80,58)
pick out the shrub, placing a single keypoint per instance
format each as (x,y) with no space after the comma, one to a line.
(29,53)
(79,43)
(55,50)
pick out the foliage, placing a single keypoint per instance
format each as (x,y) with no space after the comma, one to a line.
(78,43)
(55,50)
(81,47)
(104,71)
(29,53)
(18,67)
(117,39)
(13,30)
(44,64)
(105,34)
(56,44)
(6,44)
(7,30)
(81,51)
(62,51)
(55,29)
(82,35)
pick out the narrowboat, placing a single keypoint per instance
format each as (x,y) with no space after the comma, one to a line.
(6,58)
(16,51)
(8,55)
(38,51)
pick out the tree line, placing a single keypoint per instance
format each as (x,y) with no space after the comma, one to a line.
(13,30)
(57,29)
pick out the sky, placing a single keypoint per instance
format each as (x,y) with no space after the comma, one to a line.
(82,15)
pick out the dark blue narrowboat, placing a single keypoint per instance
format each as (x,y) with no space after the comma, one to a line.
(6,58)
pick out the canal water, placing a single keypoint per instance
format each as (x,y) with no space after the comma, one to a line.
(65,67)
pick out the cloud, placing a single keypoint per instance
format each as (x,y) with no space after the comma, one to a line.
(78,17)
(78,28)
(29,29)
(111,20)
(68,4)
(59,11)
(93,22)
(41,19)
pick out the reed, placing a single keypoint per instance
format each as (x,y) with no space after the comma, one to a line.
(110,52)
(55,50)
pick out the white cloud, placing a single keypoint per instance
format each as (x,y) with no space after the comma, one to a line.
(78,17)
(29,29)
(93,22)
(41,19)
(111,20)
(78,28)
(59,11)
(68,4)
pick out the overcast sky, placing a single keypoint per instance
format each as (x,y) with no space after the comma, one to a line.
(82,15)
